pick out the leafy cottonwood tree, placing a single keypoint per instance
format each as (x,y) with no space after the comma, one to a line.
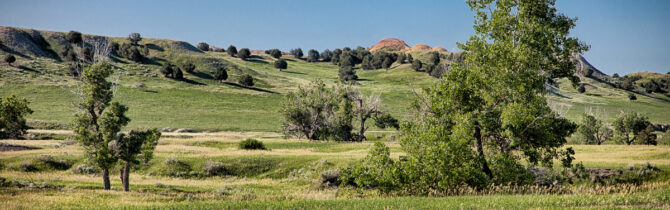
(629,125)
(134,148)
(593,131)
(280,64)
(232,50)
(312,55)
(244,53)
(12,112)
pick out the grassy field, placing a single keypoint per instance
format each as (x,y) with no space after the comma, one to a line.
(287,176)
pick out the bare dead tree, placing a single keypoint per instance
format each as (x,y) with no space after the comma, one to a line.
(364,107)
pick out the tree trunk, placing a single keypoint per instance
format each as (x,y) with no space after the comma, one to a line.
(125,177)
(361,133)
(105,179)
(480,151)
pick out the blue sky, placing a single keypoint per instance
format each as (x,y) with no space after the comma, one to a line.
(625,36)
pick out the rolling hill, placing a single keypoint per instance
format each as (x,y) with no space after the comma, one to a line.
(200,103)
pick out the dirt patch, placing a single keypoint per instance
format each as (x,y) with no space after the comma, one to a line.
(420,47)
(4,147)
(390,44)
(439,49)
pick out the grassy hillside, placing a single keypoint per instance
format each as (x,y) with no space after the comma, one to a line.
(201,103)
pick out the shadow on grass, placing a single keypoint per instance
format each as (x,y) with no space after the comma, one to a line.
(293,72)
(202,75)
(193,82)
(154,47)
(250,88)
(27,69)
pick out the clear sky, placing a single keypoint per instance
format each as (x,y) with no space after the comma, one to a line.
(625,36)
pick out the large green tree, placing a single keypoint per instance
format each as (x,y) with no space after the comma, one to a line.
(12,116)
(628,125)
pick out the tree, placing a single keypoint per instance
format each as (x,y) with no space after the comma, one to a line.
(10,59)
(297,53)
(369,107)
(646,136)
(615,75)
(280,64)
(628,124)
(221,74)
(312,55)
(326,55)
(632,97)
(203,46)
(188,67)
(74,37)
(244,53)
(336,56)
(134,148)
(401,58)
(275,53)
(593,131)
(387,63)
(87,54)
(96,126)
(178,74)
(130,52)
(347,74)
(13,111)
(246,80)
(416,65)
(169,71)
(581,88)
(232,50)
(367,63)
(318,112)
(346,59)
(434,58)
(134,38)
(409,58)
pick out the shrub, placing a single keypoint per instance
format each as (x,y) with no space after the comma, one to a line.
(178,75)
(646,136)
(244,53)
(232,50)
(275,53)
(280,64)
(252,144)
(44,162)
(246,80)
(330,177)
(593,131)
(203,46)
(134,38)
(114,47)
(27,166)
(297,53)
(12,116)
(615,75)
(665,138)
(632,97)
(74,37)
(188,67)
(85,169)
(175,168)
(212,168)
(10,59)
(221,74)
(130,52)
(347,74)
(169,71)
(312,55)
(87,54)
(416,65)
(326,55)
(581,89)
(69,55)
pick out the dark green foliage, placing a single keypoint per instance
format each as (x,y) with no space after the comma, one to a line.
(387,63)
(131,52)
(359,54)
(581,88)
(588,73)
(221,74)
(628,82)
(386,120)
(646,136)
(13,111)
(10,59)
(178,74)
(416,65)
(87,54)
(318,112)
(615,75)
(632,97)
(244,53)
(74,37)
(326,55)
(629,125)
(175,168)
(401,58)
(172,71)
(410,59)
(135,148)
(114,48)
(367,63)
(434,58)
(220,50)
(439,70)
(297,53)
(347,74)
(275,53)
(45,163)
(188,67)
(280,64)
(203,46)
(508,171)
(252,144)
(312,55)
(134,38)
(232,50)
(246,80)
(376,170)
(346,59)
(69,55)
(593,131)
(336,56)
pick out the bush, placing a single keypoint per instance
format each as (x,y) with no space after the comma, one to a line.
(203,46)
(130,52)
(175,168)
(87,54)
(188,67)
(665,138)
(347,74)
(232,50)
(134,38)
(280,64)
(221,74)
(244,53)
(10,59)
(297,53)
(312,55)
(416,65)
(252,144)
(615,75)
(170,71)
(581,88)
(632,97)
(74,37)
(85,169)
(45,162)
(12,116)
(326,55)
(275,53)
(330,177)
(212,168)
(646,136)
(246,80)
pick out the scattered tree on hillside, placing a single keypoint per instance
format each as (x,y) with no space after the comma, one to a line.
(615,75)
(188,67)
(346,59)
(367,63)
(628,125)
(280,64)
(9,58)
(13,111)
(593,131)
(581,88)
(114,48)
(131,52)
(74,37)
(244,53)
(312,55)
(232,50)
(336,56)
(416,65)
(87,54)
(275,53)
(134,38)
(134,148)
(409,58)
(326,55)
(203,46)
(632,97)
(401,58)
(172,71)
(297,53)
(387,63)
(246,80)
(221,74)
(347,74)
